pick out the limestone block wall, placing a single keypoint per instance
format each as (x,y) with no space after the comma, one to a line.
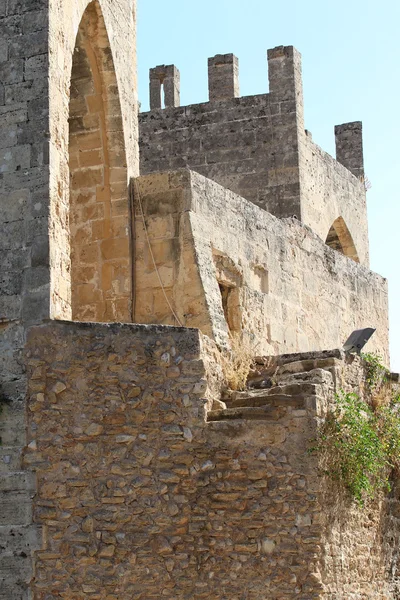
(24,264)
(257,147)
(242,269)
(332,192)
(140,497)
(113,45)
(248,145)
(99,211)
(37,42)
(166,273)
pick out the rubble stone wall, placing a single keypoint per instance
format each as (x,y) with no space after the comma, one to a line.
(286,289)
(140,497)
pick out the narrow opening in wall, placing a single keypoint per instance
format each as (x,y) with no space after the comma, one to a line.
(230,280)
(224,290)
(162,92)
(230,305)
(339,238)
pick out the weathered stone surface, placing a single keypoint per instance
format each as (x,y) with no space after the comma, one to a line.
(234,509)
(257,147)
(37,45)
(283,286)
(150,484)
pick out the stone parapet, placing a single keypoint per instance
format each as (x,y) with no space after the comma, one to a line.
(225,265)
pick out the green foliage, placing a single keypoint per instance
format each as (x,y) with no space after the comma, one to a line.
(359,446)
(376,372)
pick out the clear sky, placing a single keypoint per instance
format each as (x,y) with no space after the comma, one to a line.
(351,58)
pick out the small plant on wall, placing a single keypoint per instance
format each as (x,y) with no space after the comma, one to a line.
(359,441)
(237,362)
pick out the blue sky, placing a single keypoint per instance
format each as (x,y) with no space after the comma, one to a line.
(351,57)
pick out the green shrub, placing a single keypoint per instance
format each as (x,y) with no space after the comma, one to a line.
(360,446)
(376,373)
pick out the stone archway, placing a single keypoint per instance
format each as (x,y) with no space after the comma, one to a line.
(99,204)
(339,238)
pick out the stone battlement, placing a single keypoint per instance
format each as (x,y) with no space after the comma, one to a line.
(257,147)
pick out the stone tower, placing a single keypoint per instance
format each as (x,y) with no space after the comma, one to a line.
(68,144)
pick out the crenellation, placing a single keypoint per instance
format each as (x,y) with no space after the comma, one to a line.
(164,79)
(258,147)
(285,81)
(349,147)
(223,77)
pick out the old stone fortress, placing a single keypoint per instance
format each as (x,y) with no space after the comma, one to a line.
(134,247)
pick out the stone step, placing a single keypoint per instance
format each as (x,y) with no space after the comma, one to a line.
(15,539)
(284,359)
(316,376)
(260,413)
(291,394)
(270,367)
(274,400)
(302,366)
(10,459)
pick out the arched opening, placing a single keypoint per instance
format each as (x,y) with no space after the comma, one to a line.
(339,238)
(99,205)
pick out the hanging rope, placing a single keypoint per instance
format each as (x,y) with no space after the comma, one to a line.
(152,255)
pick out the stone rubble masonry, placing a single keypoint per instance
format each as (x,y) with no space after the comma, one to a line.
(287,290)
(257,147)
(139,496)
(37,41)
(168,78)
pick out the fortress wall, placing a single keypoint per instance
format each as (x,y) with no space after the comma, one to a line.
(112,50)
(287,290)
(245,144)
(257,146)
(140,497)
(248,145)
(166,200)
(24,264)
(329,190)
(37,40)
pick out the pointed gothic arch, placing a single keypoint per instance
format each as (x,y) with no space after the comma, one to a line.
(99,205)
(339,238)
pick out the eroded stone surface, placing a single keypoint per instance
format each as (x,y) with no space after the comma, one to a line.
(226,264)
